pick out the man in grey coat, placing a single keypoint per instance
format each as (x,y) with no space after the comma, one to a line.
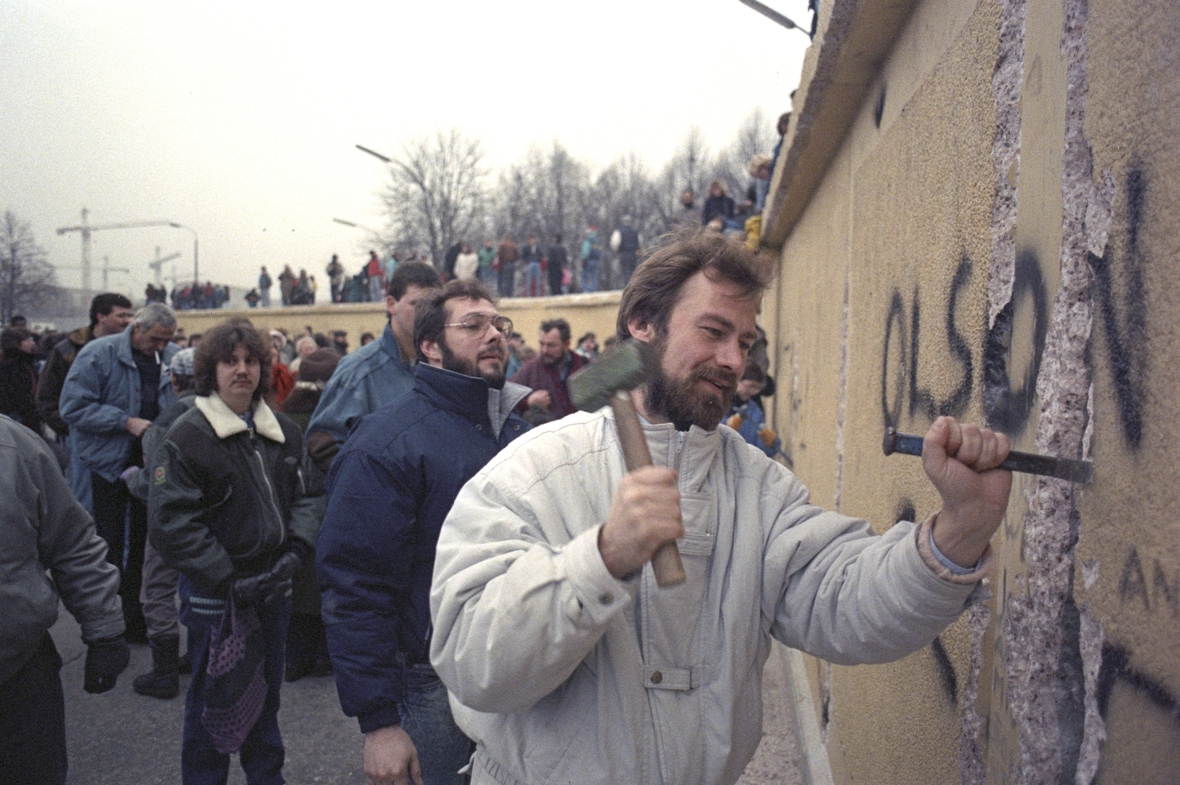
(49,552)
(115,388)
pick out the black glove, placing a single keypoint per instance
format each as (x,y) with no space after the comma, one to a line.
(105,660)
(266,587)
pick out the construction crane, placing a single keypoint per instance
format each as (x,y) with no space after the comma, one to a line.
(85,228)
(158,263)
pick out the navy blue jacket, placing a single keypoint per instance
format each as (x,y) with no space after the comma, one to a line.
(389,490)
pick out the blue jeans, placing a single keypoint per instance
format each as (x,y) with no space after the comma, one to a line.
(533,287)
(79,478)
(490,278)
(262,753)
(507,279)
(426,717)
(590,275)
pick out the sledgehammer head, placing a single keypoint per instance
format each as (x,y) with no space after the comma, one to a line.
(626,368)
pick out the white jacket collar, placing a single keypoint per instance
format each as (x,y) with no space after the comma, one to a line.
(226,422)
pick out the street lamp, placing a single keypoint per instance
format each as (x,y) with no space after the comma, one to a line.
(196,268)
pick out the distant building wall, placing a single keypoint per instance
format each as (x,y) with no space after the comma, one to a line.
(585,313)
(976,214)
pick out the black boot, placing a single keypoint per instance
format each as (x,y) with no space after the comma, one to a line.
(163,680)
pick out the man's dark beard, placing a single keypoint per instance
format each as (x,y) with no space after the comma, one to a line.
(682,403)
(495,379)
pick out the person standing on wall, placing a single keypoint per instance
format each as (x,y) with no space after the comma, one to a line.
(591,258)
(507,253)
(558,264)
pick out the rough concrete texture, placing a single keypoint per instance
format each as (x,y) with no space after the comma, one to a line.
(974,722)
(1007,81)
(1041,626)
(1041,302)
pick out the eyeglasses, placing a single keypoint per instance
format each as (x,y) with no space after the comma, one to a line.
(477,323)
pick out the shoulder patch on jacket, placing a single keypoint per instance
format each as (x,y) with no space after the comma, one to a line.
(158,476)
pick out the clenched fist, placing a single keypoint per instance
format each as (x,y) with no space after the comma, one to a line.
(645,514)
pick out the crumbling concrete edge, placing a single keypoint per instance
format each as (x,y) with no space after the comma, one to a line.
(1007,85)
(1043,630)
(813,751)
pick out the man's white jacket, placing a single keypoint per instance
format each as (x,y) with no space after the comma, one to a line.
(562,673)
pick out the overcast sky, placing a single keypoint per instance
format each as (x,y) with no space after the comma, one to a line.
(240,119)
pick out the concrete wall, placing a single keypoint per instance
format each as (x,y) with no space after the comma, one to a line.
(975,210)
(585,313)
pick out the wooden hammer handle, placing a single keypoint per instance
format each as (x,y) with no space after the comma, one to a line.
(666,562)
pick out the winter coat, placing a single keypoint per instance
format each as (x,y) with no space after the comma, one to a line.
(49,553)
(717,206)
(100,393)
(139,483)
(563,673)
(753,421)
(466,265)
(539,376)
(18,387)
(53,376)
(389,490)
(363,382)
(226,501)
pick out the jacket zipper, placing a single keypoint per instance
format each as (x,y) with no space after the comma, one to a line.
(269,490)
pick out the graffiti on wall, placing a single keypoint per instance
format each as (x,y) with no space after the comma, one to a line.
(1160,593)
(900,365)
(1006,403)
(1126,332)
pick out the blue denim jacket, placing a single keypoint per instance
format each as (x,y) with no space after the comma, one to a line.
(362,383)
(100,393)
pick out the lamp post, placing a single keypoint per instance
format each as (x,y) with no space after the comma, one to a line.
(196,267)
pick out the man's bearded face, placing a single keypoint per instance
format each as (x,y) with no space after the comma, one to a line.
(701,398)
(493,376)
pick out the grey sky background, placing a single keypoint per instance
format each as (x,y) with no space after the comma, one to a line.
(240,119)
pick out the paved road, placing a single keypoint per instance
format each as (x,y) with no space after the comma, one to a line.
(120,738)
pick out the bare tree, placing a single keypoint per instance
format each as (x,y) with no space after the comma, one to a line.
(688,168)
(436,192)
(27,281)
(753,137)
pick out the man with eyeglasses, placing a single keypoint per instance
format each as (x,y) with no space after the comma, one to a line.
(389,489)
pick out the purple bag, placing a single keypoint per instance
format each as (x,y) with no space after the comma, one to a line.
(235,687)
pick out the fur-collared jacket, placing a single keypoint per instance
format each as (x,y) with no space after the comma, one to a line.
(226,500)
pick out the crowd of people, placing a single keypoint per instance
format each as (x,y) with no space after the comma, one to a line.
(538,267)
(429,519)
(189,297)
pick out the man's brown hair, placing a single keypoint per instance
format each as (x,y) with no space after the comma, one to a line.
(218,345)
(430,315)
(655,287)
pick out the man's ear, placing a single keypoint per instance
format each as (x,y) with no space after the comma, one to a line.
(431,352)
(389,303)
(641,330)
